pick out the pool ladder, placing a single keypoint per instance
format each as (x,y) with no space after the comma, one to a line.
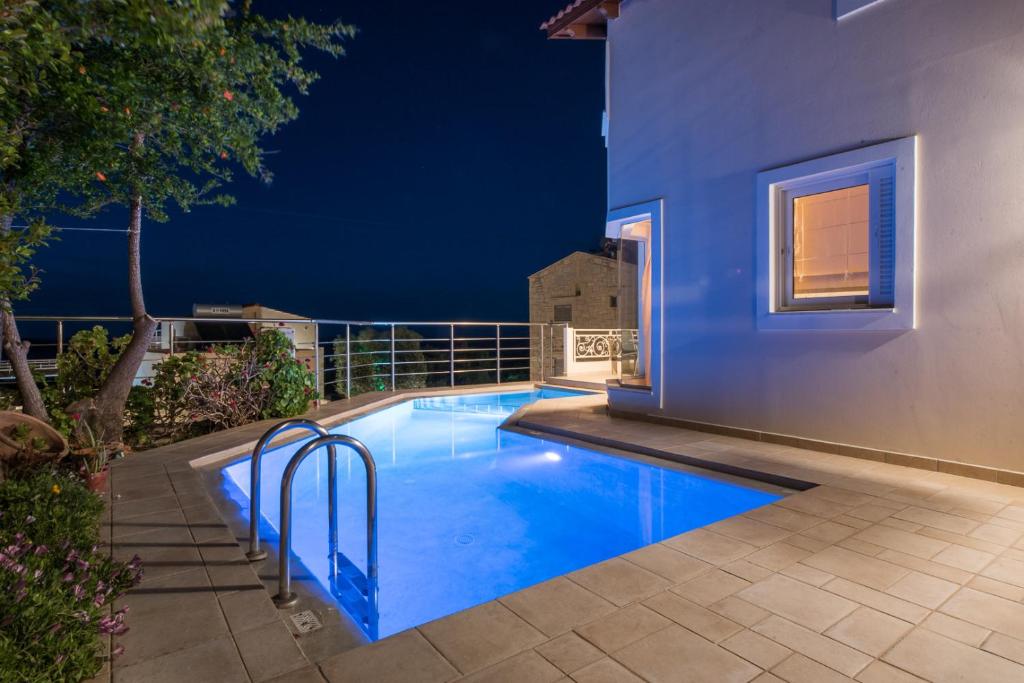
(356,591)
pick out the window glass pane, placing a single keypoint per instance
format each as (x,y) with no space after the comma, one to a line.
(627,309)
(634,302)
(830,243)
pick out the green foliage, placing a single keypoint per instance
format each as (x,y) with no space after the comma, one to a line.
(74,512)
(157,409)
(371,360)
(140,417)
(82,368)
(55,582)
(291,386)
(255,380)
(190,393)
(88,358)
(190,96)
(18,278)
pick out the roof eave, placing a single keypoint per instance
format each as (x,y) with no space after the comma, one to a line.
(582,20)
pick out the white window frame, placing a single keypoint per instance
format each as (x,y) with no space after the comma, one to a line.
(775,190)
(647,398)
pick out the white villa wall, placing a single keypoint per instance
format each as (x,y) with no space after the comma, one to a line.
(707,93)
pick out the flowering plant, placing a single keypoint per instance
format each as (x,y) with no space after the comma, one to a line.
(57,584)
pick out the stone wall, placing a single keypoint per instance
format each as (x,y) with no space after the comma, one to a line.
(586,282)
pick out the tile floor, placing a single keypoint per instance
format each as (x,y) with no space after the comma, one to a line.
(880,573)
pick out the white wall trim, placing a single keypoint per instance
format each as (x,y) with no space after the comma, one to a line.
(903,154)
(842,9)
(635,399)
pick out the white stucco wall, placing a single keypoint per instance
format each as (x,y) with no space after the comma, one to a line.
(707,93)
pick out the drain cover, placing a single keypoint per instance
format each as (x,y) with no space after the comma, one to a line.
(464,539)
(306,621)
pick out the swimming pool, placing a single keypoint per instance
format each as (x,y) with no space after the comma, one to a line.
(468,512)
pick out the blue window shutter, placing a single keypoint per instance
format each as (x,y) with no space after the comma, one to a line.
(883,291)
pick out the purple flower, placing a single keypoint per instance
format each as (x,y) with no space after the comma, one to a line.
(69,577)
(117,651)
(36,574)
(78,592)
(41,550)
(29,519)
(112,625)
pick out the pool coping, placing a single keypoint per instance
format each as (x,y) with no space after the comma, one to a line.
(339,631)
(514,634)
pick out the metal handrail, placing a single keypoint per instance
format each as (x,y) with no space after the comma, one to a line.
(255,553)
(285,597)
(336,364)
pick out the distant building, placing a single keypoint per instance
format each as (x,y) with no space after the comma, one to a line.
(228,324)
(581,292)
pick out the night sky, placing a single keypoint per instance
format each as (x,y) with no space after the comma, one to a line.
(453,152)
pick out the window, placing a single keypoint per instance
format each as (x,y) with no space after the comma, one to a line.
(613,301)
(836,244)
(836,239)
(563,313)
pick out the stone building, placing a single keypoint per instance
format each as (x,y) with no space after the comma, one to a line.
(579,292)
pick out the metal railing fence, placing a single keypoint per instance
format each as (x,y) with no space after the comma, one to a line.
(348,357)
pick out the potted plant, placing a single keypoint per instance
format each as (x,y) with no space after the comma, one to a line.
(27,443)
(95,455)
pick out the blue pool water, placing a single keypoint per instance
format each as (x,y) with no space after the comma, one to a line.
(468,513)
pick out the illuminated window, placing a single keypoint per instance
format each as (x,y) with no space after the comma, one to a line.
(830,243)
(837,234)
(838,241)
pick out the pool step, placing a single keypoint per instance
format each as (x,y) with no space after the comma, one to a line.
(444,405)
(567,383)
(350,587)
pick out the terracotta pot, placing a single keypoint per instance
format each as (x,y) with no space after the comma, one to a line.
(56,445)
(97,482)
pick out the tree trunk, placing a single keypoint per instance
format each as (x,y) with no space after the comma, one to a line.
(17,353)
(108,419)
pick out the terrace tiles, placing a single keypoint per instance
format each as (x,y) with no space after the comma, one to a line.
(881,573)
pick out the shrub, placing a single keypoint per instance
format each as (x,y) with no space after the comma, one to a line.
(158,408)
(55,584)
(371,361)
(256,380)
(87,359)
(290,385)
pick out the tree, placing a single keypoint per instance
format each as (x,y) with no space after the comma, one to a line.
(38,156)
(18,279)
(187,101)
